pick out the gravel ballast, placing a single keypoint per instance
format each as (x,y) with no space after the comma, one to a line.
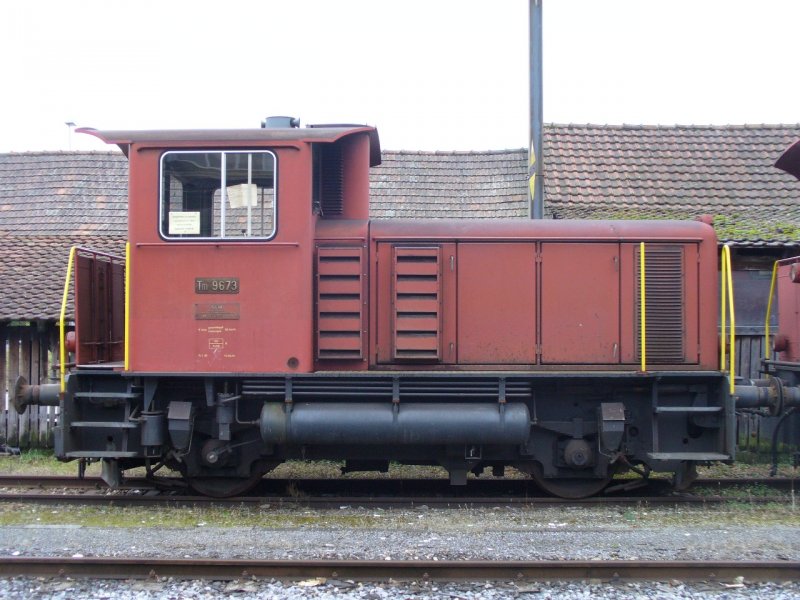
(531,533)
(420,533)
(321,589)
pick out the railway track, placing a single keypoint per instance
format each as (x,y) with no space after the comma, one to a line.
(366,485)
(334,493)
(371,570)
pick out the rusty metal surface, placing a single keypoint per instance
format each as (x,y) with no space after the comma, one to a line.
(272,328)
(373,493)
(99,307)
(367,485)
(497,303)
(547,229)
(580,303)
(166,137)
(232,137)
(473,570)
(341,284)
(550,293)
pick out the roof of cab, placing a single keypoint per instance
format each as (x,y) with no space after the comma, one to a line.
(311,134)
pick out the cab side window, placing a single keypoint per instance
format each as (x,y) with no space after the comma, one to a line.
(218,195)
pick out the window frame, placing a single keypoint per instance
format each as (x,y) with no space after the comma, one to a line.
(217,239)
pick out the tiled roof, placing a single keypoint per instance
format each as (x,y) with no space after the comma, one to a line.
(64,193)
(32,271)
(428,185)
(590,171)
(50,200)
(604,172)
(611,172)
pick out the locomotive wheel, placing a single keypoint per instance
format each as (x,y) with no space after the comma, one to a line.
(567,487)
(224,487)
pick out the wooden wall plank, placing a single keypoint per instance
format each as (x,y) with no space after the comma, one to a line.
(30,351)
(3,365)
(3,383)
(749,352)
(41,440)
(37,350)
(53,348)
(25,371)
(11,376)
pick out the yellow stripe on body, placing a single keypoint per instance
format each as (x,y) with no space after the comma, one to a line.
(642,290)
(127,304)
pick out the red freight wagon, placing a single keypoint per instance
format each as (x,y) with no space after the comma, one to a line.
(267,318)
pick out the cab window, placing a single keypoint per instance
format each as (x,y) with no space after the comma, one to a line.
(218,195)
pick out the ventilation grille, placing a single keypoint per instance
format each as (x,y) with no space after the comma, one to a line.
(416,295)
(331,183)
(664,283)
(385,389)
(340,304)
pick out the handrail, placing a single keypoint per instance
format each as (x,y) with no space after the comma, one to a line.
(642,290)
(769,308)
(62,335)
(127,304)
(727,295)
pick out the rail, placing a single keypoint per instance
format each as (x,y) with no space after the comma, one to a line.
(399,570)
(727,304)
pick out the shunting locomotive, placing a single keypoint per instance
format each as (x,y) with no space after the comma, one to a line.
(259,316)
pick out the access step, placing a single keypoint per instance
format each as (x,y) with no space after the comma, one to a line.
(108,395)
(687,456)
(105,424)
(102,454)
(695,410)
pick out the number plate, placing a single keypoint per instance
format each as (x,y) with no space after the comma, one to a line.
(216,285)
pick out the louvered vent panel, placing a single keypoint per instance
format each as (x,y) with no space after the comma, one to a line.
(331,185)
(664,294)
(416,289)
(340,303)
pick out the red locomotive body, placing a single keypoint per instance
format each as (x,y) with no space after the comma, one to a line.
(541,295)
(270,319)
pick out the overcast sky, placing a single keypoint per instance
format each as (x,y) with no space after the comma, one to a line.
(430,74)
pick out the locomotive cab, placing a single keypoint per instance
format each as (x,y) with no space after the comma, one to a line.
(221,228)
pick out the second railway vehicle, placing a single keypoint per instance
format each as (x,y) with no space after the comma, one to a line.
(259,315)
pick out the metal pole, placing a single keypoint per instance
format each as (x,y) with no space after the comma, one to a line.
(70,126)
(535,187)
